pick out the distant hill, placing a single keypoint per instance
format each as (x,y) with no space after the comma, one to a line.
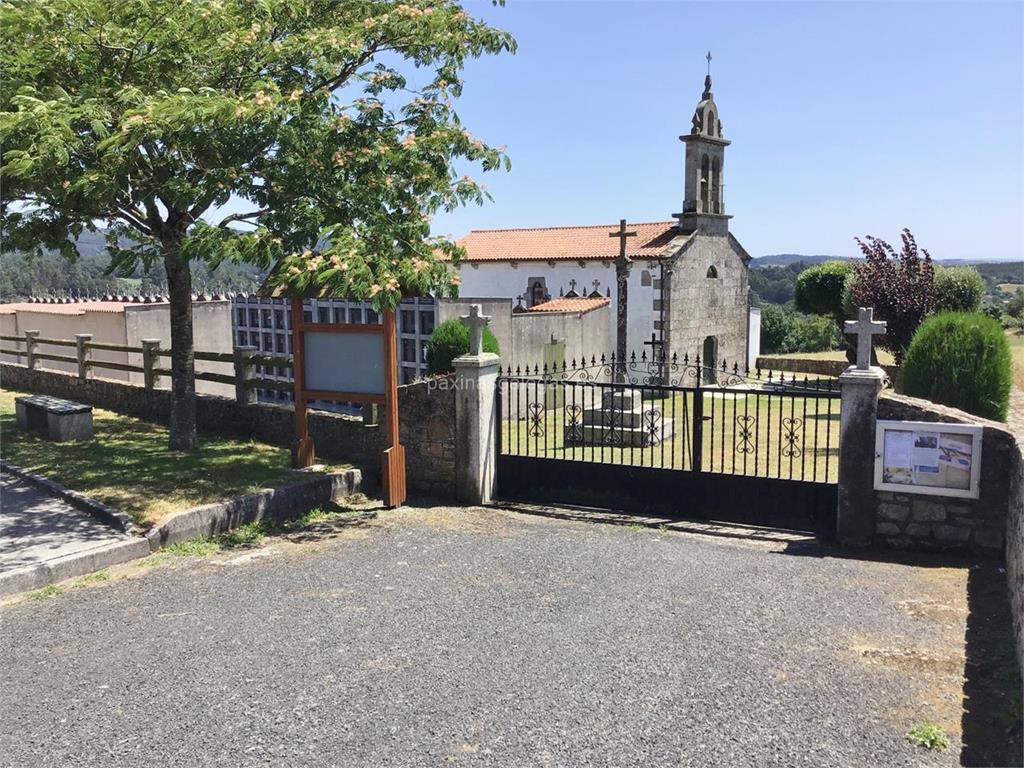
(786,259)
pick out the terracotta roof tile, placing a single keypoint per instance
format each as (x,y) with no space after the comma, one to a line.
(569,243)
(575,304)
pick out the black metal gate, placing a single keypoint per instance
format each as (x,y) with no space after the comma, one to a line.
(672,438)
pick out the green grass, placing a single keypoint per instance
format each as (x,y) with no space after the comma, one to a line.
(884,357)
(129,466)
(50,590)
(929,736)
(762,448)
(1017,353)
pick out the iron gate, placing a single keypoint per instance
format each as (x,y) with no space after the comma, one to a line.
(673,438)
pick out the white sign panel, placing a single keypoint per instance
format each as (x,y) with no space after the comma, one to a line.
(344,362)
(928,458)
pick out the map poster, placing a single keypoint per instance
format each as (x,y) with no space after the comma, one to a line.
(928,458)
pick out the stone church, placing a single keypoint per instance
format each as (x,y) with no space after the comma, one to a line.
(688,281)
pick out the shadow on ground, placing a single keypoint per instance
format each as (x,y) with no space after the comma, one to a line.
(991,724)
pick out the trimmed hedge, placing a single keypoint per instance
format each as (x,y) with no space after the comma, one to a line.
(963,360)
(449,340)
(819,289)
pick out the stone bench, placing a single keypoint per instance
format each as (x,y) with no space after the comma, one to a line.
(53,418)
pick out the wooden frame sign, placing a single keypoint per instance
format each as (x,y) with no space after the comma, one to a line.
(929,458)
(345,362)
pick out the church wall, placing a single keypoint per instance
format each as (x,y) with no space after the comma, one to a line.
(703,306)
(502,279)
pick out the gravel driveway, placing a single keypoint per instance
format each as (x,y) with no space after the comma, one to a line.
(442,636)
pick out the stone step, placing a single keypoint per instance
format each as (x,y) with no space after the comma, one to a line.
(622,399)
(626,437)
(603,417)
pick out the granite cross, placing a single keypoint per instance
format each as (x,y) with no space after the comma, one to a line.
(622,297)
(864,327)
(475,322)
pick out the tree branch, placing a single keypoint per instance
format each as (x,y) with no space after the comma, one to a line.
(243,216)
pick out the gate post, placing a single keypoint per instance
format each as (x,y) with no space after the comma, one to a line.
(858,412)
(476,377)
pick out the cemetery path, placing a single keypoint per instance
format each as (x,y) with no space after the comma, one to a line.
(436,636)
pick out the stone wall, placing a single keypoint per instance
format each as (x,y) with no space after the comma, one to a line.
(702,306)
(426,413)
(811,366)
(937,522)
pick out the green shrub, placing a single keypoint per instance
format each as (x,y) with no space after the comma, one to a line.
(449,340)
(963,360)
(958,289)
(819,289)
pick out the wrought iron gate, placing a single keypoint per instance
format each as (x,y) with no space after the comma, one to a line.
(673,438)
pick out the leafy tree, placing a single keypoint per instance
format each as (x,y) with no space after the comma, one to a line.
(958,289)
(776,324)
(820,288)
(963,360)
(329,123)
(1015,306)
(449,340)
(900,287)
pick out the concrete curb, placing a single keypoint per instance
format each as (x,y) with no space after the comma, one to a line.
(112,517)
(71,565)
(271,504)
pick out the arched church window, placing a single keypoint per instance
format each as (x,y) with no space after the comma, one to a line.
(712,272)
(711,122)
(716,186)
(645,278)
(705,172)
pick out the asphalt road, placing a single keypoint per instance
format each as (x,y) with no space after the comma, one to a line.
(470,637)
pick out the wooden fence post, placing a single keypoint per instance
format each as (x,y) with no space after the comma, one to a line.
(30,348)
(245,371)
(150,348)
(84,355)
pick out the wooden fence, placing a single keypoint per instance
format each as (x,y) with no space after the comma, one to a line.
(244,359)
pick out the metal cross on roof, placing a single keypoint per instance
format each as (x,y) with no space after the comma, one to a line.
(708,57)
(864,327)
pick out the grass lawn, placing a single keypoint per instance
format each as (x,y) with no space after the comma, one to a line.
(884,357)
(129,466)
(744,433)
(1017,351)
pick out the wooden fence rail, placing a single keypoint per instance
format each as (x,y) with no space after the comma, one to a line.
(244,360)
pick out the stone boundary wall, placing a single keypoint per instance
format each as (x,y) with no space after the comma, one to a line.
(949,523)
(812,366)
(426,412)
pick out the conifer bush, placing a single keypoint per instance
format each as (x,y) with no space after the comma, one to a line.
(449,340)
(963,360)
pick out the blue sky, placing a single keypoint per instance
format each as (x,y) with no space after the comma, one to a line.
(846,119)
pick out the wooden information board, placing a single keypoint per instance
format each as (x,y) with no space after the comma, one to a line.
(344,362)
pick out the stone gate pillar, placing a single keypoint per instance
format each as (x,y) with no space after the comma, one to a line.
(476,444)
(859,389)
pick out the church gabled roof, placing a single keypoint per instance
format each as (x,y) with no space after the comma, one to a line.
(568,243)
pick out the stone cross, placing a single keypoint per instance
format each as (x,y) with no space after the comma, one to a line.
(622,298)
(572,285)
(864,327)
(475,322)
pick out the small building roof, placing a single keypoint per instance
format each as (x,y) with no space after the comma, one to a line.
(568,243)
(69,308)
(574,304)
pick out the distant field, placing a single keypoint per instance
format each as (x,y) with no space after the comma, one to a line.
(1010,288)
(885,358)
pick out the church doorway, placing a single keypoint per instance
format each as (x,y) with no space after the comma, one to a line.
(709,358)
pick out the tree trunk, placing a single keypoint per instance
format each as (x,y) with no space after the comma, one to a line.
(183,366)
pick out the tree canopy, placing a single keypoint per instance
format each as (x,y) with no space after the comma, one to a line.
(151,115)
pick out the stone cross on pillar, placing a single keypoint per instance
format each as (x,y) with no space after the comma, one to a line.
(864,327)
(475,322)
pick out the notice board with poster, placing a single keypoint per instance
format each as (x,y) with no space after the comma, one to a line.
(928,458)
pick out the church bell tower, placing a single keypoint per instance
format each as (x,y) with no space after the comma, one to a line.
(704,201)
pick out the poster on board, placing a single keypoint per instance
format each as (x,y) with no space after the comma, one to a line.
(928,458)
